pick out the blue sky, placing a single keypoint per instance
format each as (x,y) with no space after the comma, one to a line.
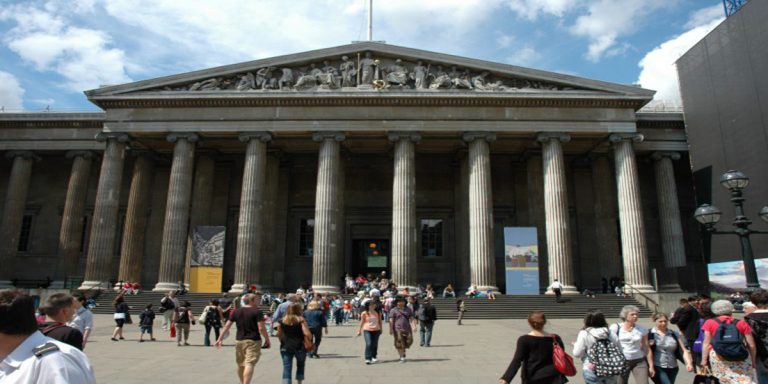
(51,51)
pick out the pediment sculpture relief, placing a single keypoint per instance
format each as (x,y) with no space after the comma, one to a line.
(367,73)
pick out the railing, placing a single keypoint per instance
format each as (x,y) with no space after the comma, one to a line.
(648,301)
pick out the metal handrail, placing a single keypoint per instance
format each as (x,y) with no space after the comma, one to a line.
(646,297)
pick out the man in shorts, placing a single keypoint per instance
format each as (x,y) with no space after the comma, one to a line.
(250,332)
(400,326)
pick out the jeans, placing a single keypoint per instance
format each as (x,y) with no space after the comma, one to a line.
(301,358)
(425,332)
(762,372)
(371,344)
(317,335)
(207,337)
(591,378)
(665,375)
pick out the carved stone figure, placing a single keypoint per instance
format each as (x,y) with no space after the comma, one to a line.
(264,78)
(367,70)
(247,81)
(460,79)
(308,80)
(348,72)
(206,85)
(442,80)
(286,80)
(397,74)
(328,76)
(480,84)
(420,74)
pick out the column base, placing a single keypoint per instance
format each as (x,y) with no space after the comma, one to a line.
(670,288)
(6,284)
(486,288)
(165,287)
(241,288)
(566,290)
(94,285)
(326,289)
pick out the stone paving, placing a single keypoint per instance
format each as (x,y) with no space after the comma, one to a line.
(476,352)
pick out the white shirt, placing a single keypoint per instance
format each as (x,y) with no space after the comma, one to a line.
(556,285)
(631,342)
(65,366)
(83,320)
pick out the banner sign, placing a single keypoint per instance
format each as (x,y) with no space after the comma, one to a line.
(207,259)
(521,258)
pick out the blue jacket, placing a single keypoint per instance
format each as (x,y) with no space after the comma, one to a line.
(315,319)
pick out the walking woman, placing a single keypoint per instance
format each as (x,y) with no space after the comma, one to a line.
(460,309)
(667,347)
(316,321)
(534,354)
(731,370)
(291,332)
(213,316)
(370,327)
(121,316)
(595,329)
(182,317)
(634,343)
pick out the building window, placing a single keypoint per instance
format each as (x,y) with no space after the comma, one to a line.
(306,237)
(26,233)
(431,237)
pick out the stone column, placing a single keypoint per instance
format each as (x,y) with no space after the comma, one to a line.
(174,247)
(202,200)
(13,212)
(535,180)
(249,258)
(482,263)
(404,226)
(606,217)
(672,243)
(135,228)
(101,247)
(327,263)
(71,233)
(633,241)
(269,215)
(556,210)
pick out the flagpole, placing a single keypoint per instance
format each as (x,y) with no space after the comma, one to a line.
(370,20)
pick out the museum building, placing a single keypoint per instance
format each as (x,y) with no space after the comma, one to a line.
(360,158)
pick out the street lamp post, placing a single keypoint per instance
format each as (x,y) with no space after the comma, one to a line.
(709,215)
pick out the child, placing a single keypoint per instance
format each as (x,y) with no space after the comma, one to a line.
(146,318)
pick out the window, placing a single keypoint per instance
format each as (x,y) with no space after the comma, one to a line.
(306,237)
(431,237)
(26,233)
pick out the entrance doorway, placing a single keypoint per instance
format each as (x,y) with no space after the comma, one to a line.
(372,256)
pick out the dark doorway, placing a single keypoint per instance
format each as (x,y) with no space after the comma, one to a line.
(372,256)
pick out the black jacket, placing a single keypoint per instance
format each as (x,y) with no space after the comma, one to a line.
(687,320)
(429,313)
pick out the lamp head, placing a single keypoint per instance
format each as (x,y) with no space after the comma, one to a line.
(764,214)
(707,214)
(734,180)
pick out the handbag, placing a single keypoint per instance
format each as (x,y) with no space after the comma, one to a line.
(562,361)
(704,377)
(308,343)
(203,316)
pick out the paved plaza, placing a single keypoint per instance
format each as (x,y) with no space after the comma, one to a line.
(476,352)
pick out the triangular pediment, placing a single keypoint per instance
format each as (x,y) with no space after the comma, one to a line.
(368,67)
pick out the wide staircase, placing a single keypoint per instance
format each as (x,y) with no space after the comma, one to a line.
(504,307)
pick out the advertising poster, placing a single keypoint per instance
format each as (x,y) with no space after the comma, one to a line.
(728,277)
(207,259)
(521,258)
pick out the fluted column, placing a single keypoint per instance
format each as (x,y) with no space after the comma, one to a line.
(271,228)
(633,243)
(606,217)
(101,247)
(135,228)
(13,212)
(327,263)
(71,233)
(672,243)
(249,258)
(482,263)
(556,210)
(174,247)
(202,200)
(404,226)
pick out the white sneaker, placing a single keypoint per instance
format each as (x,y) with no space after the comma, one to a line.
(367,362)
(373,360)
(402,359)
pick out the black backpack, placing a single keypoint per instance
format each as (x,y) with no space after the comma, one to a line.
(167,303)
(606,357)
(760,332)
(728,342)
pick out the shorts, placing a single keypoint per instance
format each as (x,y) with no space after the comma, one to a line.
(119,322)
(403,340)
(247,352)
(146,329)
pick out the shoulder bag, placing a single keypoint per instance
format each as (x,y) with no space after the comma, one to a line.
(562,361)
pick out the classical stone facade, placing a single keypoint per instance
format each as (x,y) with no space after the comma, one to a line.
(355,159)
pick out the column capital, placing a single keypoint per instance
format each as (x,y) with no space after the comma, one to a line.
(119,136)
(28,155)
(328,135)
(544,137)
(262,136)
(472,136)
(396,136)
(88,155)
(188,136)
(656,156)
(619,137)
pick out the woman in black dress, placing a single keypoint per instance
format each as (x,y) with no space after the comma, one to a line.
(121,317)
(534,353)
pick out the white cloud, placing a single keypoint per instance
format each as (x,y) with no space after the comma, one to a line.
(525,57)
(532,9)
(658,66)
(83,57)
(11,93)
(503,40)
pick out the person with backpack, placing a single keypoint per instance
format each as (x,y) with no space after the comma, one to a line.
(598,349)
(758,320)
(724,345)
(534,353)
(211,319)
(146,320)
(182,317)
(427,315)
(667,347)
(633,339)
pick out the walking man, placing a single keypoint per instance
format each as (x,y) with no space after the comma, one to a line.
(83,320)
(168,305)
(59,310)
(400,327)
(250,332)
(557,288)
(427,318)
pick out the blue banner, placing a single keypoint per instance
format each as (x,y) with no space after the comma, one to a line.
(521,258)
